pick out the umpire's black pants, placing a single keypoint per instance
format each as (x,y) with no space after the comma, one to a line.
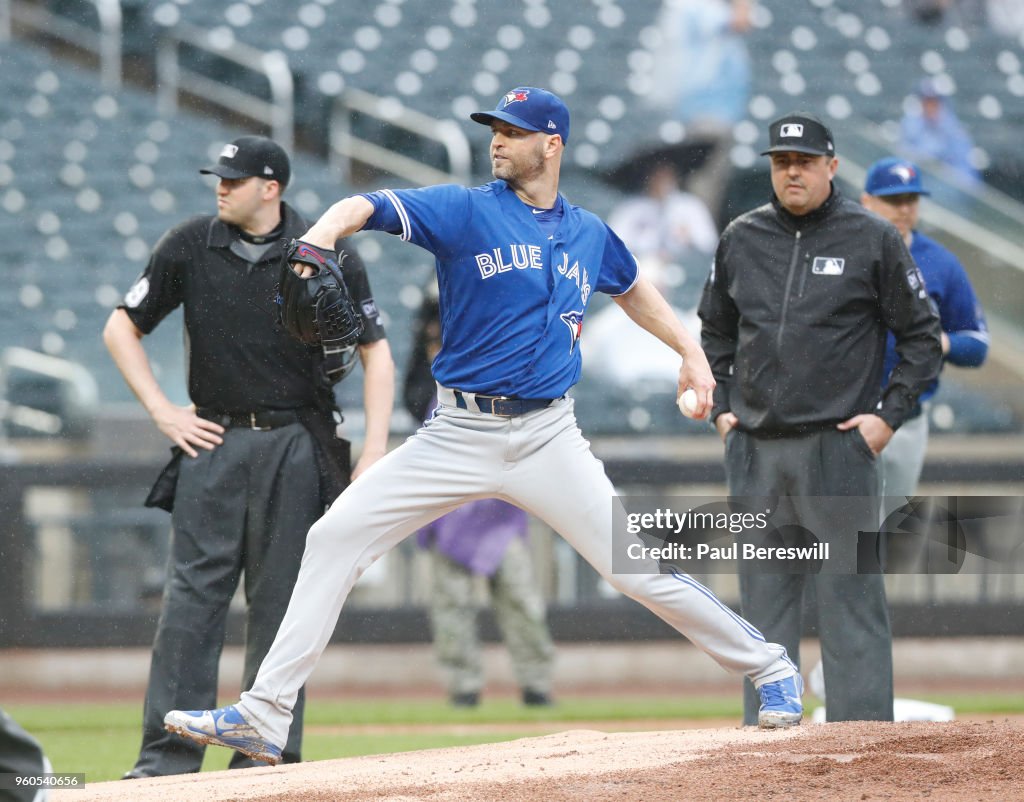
(853,617)
(242,509)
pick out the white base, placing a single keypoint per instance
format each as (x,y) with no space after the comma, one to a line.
(906,710)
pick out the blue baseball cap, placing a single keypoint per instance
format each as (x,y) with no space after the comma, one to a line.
(893,176)
(530,108)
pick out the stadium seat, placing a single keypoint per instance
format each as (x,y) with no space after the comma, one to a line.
(89,180)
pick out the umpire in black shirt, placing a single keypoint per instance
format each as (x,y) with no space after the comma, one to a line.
(257,458)
(795,315)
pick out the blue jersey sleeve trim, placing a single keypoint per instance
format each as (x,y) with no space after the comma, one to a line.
(403,215)
(636,278)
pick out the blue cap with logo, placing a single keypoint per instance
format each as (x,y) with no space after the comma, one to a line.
(530,108)
(894,176)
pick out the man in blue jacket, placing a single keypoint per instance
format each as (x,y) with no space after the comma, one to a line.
(893,191)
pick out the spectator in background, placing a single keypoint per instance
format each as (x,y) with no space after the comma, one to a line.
(893,191)
(665,226)
(702,79)
(672,235)
(483,541)
(931,131)
(1005,17)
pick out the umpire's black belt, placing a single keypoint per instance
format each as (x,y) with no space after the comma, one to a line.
(491,404)
(262,420)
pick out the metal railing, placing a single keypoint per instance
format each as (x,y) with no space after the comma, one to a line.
(346,147)
(105,43)
(173,77)
(81,397)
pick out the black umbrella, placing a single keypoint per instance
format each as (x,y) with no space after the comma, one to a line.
(687,156)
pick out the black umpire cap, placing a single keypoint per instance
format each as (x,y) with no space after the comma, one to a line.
(800,132)
(252,155)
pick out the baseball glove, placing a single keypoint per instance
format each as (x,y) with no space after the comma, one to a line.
(317,310)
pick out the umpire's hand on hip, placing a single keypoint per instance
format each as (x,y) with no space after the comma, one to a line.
(186,429)
(724,423)
(875,431)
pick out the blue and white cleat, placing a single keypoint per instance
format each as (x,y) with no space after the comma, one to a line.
(780,703)
(225,726)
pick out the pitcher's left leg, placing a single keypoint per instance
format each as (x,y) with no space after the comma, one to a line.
(557,478)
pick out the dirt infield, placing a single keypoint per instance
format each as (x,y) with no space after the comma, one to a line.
(856,761)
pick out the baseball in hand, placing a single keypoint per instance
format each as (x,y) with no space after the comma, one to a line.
(688,402)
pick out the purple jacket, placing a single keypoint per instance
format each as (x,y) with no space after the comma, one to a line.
(476,534)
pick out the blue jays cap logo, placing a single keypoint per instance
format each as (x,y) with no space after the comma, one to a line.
(905,172)
(574,320)
(515,96)
(894,176)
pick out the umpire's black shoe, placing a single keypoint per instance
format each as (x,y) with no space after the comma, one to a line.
(470,699)
(532,698)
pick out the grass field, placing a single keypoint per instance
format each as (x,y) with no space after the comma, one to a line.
(102,740)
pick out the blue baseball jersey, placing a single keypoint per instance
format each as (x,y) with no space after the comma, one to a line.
(512,298)
(959,311)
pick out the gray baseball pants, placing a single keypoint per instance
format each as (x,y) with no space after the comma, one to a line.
(539,461)
(903,458)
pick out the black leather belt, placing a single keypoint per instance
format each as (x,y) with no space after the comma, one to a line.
(499,405)
(261,421)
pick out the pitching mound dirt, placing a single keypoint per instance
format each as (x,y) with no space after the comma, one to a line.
(857,761)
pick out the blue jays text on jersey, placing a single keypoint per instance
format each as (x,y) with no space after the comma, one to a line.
(520,256)
(512,299)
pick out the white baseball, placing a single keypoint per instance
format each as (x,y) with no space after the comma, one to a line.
(688,402)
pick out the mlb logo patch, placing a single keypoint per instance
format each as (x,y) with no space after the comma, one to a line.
(828,266)
(792,129)
(229,152)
